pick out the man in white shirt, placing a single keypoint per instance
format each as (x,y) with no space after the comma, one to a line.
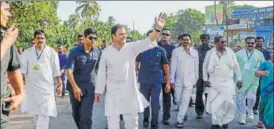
(219,68)
(40,64)
(117,75)
(184,74)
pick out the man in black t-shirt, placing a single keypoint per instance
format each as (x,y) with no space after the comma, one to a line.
(9,68)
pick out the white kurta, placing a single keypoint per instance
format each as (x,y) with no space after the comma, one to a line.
(184,67)
(117,75)
(220,96)
(184,73)
(40,86)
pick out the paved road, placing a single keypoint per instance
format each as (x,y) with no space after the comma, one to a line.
(65,121)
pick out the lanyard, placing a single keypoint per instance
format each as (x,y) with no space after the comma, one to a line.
(219,55)
(249,56)
(39,56)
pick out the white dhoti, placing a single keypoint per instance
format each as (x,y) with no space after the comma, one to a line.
(221,106)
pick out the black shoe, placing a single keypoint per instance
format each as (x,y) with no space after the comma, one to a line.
(225,126)
(185,118)
(165,122)
(200,116)
(145,123)
(215,127)
(179,125)
(255,112)
(154,127)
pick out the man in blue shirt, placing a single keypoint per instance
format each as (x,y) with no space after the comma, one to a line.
(81,65)
(62,62)
(259,46)
(164,43)
(154,66)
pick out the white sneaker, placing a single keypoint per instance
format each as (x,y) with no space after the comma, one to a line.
(251,116)
(242,121)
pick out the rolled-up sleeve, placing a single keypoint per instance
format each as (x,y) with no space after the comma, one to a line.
(101,77)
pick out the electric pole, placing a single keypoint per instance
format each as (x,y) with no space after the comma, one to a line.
(225,18)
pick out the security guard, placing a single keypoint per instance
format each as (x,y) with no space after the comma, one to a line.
(154,66)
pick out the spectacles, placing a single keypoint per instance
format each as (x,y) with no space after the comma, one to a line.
(164,34)
(223,42)
(91,38)
(250,43)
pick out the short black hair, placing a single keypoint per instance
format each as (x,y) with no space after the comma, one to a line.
(150,31)
(217,38)
(250,37)
(166,29)
(89,31)
(183,35)
(39,32)
(59,45)
(260,37)
(103,40)
(116,27)
(202,36)
(79,36)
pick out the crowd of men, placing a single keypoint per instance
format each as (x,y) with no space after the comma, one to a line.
(228,80)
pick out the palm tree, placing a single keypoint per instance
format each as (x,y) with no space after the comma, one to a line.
(87,10)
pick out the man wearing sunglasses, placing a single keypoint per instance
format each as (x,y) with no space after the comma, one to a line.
(249,60)
(219,68)
(154,65)
(164,43)
(81,69)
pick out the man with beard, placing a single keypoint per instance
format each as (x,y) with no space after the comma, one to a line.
(259,46)
(40,65)
(184,75)
(202,50)
(10,66)
(249,60)
(219,67)
(164,43)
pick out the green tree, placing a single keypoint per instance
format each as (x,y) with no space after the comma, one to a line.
(28,17)
(186,21)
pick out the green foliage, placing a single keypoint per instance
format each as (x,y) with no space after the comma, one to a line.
(186,21)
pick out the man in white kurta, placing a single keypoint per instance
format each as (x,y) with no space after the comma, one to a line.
(117,75)
(184,75)
(220,66)
(40,65)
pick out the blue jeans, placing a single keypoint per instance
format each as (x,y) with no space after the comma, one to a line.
(152,93)
(64,82)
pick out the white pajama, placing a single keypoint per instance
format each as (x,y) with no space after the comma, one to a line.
(182,95)
(131,121)
(241,103)
(41,122)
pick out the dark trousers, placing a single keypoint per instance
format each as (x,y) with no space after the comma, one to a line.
(5,111)
(82,111)
(256,106)
(167,102)
(199,104)
(152,93)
